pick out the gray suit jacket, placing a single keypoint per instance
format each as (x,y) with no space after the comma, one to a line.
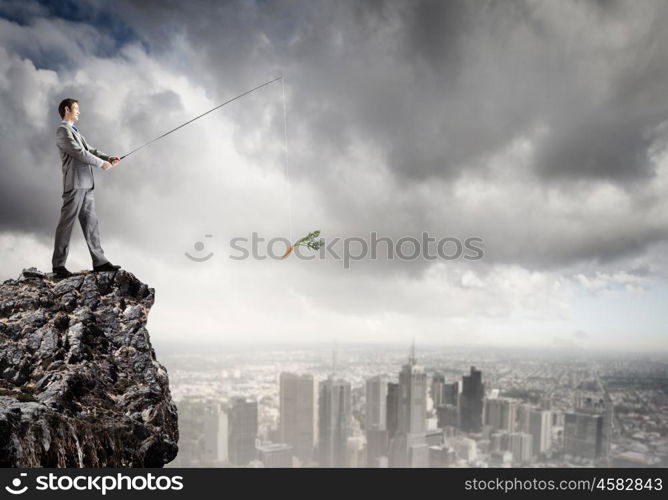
(78,158)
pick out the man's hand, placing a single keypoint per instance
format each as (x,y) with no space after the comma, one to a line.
(114,160)
(107,166)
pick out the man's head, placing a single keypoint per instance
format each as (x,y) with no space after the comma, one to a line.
(69,110)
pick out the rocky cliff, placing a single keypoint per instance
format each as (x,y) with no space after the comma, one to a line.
(79,382)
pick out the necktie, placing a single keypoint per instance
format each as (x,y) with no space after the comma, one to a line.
(75,129)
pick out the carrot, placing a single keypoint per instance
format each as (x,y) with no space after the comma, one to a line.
(307,241)
(287,252)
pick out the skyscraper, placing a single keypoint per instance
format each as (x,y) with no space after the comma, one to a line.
(203,434)
(498,441)
(540,428)
(523,417)
(493,413)
(438,389)
(450,393)
(298,414)
(521,446)
(448,416)
(242,430)
(409,447)
(471,401)
(335,421)
(377,445)
(599,404)
(584,435)
(376,418)
(222,439)
(376,402)
(392,409)
(412,398)
(501,414)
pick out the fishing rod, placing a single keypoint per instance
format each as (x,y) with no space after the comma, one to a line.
(200,116)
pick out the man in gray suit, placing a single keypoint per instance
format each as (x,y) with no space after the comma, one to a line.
(78,160)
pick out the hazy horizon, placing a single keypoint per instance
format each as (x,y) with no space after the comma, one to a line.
(171,346)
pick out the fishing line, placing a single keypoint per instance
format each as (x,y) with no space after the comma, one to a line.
(203,114)
(286,158)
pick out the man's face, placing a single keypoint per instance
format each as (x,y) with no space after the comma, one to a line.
(72,114)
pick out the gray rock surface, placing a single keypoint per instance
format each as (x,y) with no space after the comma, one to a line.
(80,385)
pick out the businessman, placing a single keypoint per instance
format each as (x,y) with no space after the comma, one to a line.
(78,160)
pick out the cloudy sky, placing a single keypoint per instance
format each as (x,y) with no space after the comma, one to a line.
(539,127)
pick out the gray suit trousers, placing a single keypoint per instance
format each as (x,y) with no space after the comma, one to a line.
(78,203)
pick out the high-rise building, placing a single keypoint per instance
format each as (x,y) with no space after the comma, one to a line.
(523,417)
(409,446)
(222,441)
(492,413)
(392,409)
(412,398)
(298,414)
(451,393)
(509,415)
(409,450)
(202,434)
(448,416)
(275,455)
(438,389)
(540,428)
(501,414)
(376,419)
(471,401)
(597,403)
(376,402)
(377,445)
(498,441)
(335,421)
(583,435)
(242,430)
(521,447)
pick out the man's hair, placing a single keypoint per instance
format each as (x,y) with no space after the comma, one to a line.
(65,103)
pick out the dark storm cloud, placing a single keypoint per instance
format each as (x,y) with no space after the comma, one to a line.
(437,85)
(599,145)
(27,183)
(610,137)
(53,43)
(110,32)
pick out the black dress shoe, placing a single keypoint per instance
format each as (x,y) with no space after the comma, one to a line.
(61,272)
(107,266)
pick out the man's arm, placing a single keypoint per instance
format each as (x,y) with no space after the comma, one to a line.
(96,152)
(66,141)
(113,160)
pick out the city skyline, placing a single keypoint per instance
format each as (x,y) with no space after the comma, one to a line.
(538,127)
(528,413)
